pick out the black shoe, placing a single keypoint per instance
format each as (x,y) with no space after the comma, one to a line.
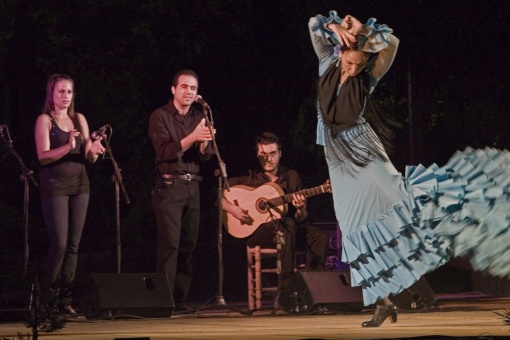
(68,312)
(182,307)
(381,313)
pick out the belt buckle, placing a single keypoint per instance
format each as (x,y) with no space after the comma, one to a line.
(188,177)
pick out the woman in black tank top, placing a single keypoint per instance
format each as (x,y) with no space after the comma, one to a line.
(63,145)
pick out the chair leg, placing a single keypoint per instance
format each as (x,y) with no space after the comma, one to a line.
(251,277)
(258,279)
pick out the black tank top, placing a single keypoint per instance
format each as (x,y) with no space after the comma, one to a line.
(66,176)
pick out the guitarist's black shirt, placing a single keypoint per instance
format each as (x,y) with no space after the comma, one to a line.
(288,179)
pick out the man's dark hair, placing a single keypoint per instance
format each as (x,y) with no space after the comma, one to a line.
(175,80)
(268,138)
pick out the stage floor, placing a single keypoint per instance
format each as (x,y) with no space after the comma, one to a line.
(464,317)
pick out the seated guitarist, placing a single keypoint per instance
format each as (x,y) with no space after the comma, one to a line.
(269,152)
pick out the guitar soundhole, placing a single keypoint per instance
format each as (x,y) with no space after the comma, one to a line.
(261,205)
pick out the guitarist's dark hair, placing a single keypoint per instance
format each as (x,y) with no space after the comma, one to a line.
(268,138)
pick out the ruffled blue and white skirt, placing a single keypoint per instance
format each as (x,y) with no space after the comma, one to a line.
(397,228)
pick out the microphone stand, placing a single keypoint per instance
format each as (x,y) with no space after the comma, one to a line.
(221,173)
(117,178)
(279,240)
(25,177)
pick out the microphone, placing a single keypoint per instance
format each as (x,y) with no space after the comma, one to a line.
(201,101)
(100,132)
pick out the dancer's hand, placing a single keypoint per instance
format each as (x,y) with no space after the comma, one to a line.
(345,37)
(353,25)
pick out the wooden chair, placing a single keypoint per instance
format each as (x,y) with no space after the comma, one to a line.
(257,267)
(256,270)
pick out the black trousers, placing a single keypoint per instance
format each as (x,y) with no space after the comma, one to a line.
(314,240)
(176,206)
(65,219)
(265,236)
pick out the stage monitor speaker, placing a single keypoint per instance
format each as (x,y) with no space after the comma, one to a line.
(138,294)
(312,292)
(418,297)
(16,298)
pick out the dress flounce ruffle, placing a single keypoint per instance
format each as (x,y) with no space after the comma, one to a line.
(460,209)
(374,41)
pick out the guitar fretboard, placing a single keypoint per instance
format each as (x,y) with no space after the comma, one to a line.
(277,201)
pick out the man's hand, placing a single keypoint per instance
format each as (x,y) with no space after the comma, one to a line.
(298,200)
(242,215)
(203,133)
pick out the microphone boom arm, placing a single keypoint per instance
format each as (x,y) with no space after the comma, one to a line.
(210,123)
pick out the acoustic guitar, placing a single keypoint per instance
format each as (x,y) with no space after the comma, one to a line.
(260,203)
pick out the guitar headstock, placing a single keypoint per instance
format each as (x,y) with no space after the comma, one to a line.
(327,186)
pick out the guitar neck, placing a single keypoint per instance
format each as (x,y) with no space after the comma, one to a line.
(277,201)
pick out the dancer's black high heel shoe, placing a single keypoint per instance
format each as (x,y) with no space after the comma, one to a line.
(381,313)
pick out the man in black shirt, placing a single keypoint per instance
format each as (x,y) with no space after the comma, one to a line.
(269,152)
(181,140)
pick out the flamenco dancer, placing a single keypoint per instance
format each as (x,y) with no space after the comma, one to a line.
(397,228)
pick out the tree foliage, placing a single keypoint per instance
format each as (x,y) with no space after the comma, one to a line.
(257,71)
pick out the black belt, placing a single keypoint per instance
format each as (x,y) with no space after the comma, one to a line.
(186,177)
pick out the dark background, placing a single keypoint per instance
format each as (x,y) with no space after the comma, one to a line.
(448,87)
